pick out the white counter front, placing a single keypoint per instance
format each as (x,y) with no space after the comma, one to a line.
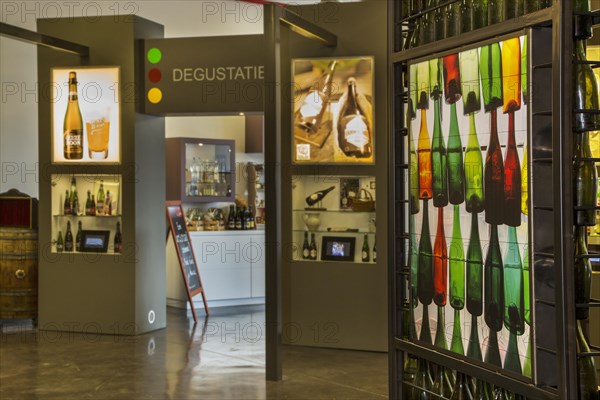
(231,266)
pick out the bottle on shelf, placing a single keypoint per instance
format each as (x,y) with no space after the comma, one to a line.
(194,177)
(480,14)
(466,15)
(585,88)
(108,203)
(439,21)
(440,262)
(490,68)
(313,247)
(100,199)
(462,390)
(423,380)
(73,123)
(231,218)
(365,252)
(68,238)
(355,137)
(245,219)
(496,11)
(586,369)
(423,85)
(442,384)
(428,24)
(583,273)
(239,216)
(88,203)
(118,241)
(483,390)
(60,244)
(79,237)
(414,174)
(67,204)
(374,251)
(514,8)
(93,206)
(585,181)
(251,220)
(318,196)
(305,247)
(309,116)
(452,25)
(582,24)
(435,78)
(457,281)
(514,310)
(75,205)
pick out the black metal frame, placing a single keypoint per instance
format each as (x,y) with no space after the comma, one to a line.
(553,23)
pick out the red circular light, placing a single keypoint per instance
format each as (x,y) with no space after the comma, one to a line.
(154,75)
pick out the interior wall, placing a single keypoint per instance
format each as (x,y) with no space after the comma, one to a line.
(18,64)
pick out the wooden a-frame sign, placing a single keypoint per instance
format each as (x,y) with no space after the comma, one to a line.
(185,253)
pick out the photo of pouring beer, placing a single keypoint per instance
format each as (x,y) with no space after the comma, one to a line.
(85,115)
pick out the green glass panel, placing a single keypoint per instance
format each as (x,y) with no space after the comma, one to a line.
(474,271)
(514,298)
(457,264)
(456,173)
(490,68)
(469,79)
(439,160)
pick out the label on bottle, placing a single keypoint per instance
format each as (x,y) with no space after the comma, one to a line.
(305,253)
(73,138)
(365,255)
(313,254)
(357,132)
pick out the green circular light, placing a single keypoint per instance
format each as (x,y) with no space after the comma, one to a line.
(154,55)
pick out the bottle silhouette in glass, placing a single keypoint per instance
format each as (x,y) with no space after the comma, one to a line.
(511,75)
(494,296)
(462,390)
(365,253)
(474,197)
(452,25)
(586,369)
(474,289)
(494,176)
(428,25)
(480,14)
(457,281)
(439,19)
(424,158)
(583,273)
(355,137)
(79,237)
(442,384)
(305,247)
(512,178)
(585,181)
(495,11)
(466,15)
(469,80)
(452,86)
(414,174)
(514,8)
(514,300)
(527,307)
(490,68)
(423,380)
(483,390)
(582,24)
(73,123)
(440,279)
(456,173)
(69,238)
(439,161)
(310,116)
(423,85)
(425,284)
(435,78)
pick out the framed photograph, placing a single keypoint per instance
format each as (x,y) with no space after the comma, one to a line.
(86,115)
(337,248)
(333,111)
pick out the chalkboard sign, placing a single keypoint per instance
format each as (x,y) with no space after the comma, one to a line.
(185,252)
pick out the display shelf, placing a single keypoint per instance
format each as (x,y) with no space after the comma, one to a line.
(336,263)
(334,232)
(334,211)
(86,216)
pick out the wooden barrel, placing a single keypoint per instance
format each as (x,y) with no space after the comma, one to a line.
(18,273)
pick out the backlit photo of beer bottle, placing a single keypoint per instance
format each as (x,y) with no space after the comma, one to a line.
(73,123)
(354,129)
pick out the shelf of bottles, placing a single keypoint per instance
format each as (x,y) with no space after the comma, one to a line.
(586,119)
(335,206)
(208,171)
(85,202)
(421,22)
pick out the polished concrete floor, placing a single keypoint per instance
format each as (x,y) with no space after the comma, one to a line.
(222,358)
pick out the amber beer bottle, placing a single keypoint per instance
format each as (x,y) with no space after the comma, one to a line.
(73,123)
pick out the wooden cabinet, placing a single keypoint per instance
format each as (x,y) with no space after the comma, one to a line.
(200,170)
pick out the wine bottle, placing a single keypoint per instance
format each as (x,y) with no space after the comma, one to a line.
(511,75)
(439,20)
(425,287)
(414,260)
(423,380)
(440,262)
(79,237)
(514,298)
(88,203)
(533,5)
(439,161)
(69,238)
(423,85)
(586,369)
(466,15)
(452,86)
(93,206)
(231,218)
(514,8)
(474,270)
(313,247)
(461,390)
(512,361)
(374,251)
(309,117)
(75,205)
(490,68)
(354,129)
(414,174)
(318,196)
(365,252)
(452,26)
(582,24)
(494,176)
(73,189)
(492,353)
(474,347)
(73,123)
(67,204)
(118,241)
(494,283)
(239,216)
(524,184)
(424,156)
(252,222)
(512,178)
(473,171)
(428,27)
(583,273)
(527,363)
(495,11)
(457,265)
(483,390)
(100,199)
(442,384)
(456,173)
(409,373)
(60,244)
(469,79)
(456,344)
(585,181)
(305,247)
(480,14)
(244,219)
(195,177)
(435,78)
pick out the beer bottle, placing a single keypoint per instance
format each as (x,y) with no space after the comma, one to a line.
(68,238)
(365,253)
(73,123)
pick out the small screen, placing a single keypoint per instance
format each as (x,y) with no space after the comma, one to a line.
(94,241)
(338,249)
